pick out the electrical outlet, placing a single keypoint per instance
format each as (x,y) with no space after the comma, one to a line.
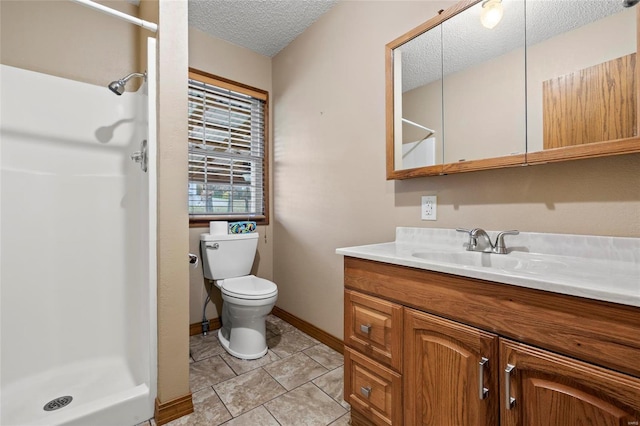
(429,207)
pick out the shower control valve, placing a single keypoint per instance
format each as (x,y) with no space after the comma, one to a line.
(141,156)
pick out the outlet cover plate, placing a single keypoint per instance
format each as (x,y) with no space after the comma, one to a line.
(429,207)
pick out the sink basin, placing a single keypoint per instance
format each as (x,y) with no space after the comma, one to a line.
(535,266)
(600,268)
(472,259)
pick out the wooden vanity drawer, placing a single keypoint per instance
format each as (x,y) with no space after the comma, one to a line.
(374,327)
(372,389)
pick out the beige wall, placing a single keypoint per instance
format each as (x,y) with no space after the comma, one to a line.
(173,222)
(329,114)
(242,65)
(329,155)
(68,40)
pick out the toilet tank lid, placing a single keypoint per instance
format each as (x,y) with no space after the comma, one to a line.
(225,237)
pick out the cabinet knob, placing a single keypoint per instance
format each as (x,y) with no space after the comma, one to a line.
(509,400)
(365,328)
(482,391)
(365,391)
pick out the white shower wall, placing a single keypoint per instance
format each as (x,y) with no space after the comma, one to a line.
(75,285)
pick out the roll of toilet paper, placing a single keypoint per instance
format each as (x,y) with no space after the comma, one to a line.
(219,227)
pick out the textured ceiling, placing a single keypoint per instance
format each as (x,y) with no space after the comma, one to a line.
(264,26)
(466,42)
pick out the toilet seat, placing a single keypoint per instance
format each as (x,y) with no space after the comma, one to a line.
(248,287)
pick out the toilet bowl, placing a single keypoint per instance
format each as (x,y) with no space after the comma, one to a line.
(246,299)
(246,302)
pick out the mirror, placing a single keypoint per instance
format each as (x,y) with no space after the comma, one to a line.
(581,76)
(484,85)
(558,85)
(418,106)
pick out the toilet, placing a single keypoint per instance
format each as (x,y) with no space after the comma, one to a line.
(246,299)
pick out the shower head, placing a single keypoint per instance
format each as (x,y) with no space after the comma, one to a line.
(117,86)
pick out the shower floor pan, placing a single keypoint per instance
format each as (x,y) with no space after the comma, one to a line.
(103,391)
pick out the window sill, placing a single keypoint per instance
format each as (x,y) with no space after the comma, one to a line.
(203,221)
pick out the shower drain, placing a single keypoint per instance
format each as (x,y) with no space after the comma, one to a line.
(57,403)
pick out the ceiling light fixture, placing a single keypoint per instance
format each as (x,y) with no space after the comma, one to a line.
(491,14)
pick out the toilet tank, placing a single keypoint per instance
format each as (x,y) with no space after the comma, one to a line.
(228,255)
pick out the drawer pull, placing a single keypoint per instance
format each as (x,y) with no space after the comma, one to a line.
(509,400)
(482,391)
(365,391)
(365,328)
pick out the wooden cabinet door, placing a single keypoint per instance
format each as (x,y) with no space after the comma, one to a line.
(442,373)
(595,104)
(550,389)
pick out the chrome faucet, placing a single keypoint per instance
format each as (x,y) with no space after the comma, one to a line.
(485,245)
(474,244)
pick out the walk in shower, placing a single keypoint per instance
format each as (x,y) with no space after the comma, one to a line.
(77,256)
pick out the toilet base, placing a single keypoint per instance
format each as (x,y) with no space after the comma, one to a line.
(227,347)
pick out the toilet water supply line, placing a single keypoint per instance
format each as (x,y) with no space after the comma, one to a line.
(205,321)
(193,261)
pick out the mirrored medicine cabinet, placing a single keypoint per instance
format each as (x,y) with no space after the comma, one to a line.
(499,83)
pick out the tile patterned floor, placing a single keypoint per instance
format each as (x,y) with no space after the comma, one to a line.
(297,383)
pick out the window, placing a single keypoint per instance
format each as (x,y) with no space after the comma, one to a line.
(227,150)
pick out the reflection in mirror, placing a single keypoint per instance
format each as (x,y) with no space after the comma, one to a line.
(418,101)
(484,84)
(581,72)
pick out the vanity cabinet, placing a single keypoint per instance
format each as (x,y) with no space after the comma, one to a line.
(570,361)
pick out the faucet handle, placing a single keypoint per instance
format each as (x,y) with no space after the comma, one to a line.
(500,248)
(472,239)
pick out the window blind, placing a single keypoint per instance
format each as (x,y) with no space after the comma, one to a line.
(226,151)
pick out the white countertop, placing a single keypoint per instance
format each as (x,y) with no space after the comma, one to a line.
(601,268)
